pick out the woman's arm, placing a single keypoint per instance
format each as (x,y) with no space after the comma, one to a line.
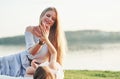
(31,46)
(34,49)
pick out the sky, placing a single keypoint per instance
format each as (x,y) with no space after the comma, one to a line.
(16,15)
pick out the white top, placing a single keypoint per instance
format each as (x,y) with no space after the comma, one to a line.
(59,72)
(31,40)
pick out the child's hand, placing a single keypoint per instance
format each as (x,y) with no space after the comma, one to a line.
(34,64)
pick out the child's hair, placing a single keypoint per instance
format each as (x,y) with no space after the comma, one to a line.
(42,72)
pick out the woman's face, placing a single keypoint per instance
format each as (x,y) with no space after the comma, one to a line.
(49,18)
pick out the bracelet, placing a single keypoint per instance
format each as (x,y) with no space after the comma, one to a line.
(41,42)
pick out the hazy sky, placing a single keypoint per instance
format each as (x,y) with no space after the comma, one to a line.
(16,15)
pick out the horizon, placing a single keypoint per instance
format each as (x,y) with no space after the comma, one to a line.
(66,31)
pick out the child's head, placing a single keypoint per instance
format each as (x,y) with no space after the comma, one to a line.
(43,72)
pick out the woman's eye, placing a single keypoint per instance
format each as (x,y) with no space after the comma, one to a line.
(48,15)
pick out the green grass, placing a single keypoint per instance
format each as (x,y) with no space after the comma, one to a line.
(85,74)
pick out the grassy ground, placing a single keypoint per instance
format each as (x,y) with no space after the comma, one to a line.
(85,74)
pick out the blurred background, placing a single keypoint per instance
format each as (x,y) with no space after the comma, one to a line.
(92,29)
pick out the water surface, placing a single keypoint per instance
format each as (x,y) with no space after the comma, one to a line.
(107,57)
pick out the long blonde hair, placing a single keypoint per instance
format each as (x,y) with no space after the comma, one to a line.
(56,36)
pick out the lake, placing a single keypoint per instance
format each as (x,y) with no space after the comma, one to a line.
(106,57)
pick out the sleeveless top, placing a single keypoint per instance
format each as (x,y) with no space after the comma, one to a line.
(59,72)
(31,40)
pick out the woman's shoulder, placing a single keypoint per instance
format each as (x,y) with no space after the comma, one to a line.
(29,28)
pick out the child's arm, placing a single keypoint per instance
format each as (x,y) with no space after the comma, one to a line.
(31,70)
(51,48)
(34,63)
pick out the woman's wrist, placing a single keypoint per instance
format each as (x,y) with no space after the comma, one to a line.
(41,42)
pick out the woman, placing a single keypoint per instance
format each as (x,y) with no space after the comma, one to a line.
(36,47)
(49,69)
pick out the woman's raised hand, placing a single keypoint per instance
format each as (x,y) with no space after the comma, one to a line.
(44,32)
(37,31)
(41,32)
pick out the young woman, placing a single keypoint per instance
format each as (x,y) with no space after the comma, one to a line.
(36,47)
